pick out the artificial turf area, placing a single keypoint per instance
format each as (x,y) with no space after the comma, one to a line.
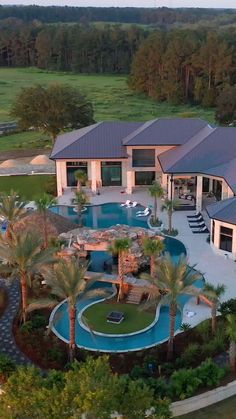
(28,187)
(96,318)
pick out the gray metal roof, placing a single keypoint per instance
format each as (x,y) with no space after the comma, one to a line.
(109,139)
(214,154)
(99,141)
(165,131)
(223,210)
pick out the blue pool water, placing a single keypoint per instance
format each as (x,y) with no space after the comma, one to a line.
(104,216)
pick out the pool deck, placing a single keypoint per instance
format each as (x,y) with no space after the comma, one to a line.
(216,269)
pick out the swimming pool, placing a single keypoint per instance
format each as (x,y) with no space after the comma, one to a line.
(104,215)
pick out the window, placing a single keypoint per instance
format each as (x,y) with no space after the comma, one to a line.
(144,178)
(143,158)
(72,167)
(111,173)
(226,239)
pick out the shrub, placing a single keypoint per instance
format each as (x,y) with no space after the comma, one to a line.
(55,354)
(159,386)
(39,321)
(27,327)
(191,353)
(138,372)
(215,345)
(210,373)
(7,365)
(228,307)
(204,330)
(184,383)
(185,327)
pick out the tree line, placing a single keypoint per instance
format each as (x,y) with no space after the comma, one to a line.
(158,15)
(78,48)
(185,66)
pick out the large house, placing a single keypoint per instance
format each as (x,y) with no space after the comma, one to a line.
(132,154)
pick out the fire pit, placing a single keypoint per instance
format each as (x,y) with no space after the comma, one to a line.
(115,317)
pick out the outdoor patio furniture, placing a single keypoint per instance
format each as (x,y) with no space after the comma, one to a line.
(144,213)
(197,215)
(126,204)
(201,230)
(195,220)
(115,317)
(199,225)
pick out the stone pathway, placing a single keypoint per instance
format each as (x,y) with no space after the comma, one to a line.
(7,341)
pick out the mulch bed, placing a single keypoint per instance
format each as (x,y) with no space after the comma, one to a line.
(3,301)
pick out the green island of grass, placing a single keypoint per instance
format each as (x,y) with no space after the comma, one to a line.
(134,319)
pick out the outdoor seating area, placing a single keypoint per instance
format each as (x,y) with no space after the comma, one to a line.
(197,224)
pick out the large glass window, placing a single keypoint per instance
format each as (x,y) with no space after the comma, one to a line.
(144,178)
(226,239)
(143,158)
(111,173)
(71,167)
(217,189)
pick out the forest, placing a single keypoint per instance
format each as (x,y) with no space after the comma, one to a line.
(159,16)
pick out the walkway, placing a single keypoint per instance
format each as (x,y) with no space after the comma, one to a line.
(7,342)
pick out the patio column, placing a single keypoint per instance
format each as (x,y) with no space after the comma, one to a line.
(164,181)
(61,177)
(170,187)
(130,181)
(95,175)
(224,192)
(210,185)
(199,194)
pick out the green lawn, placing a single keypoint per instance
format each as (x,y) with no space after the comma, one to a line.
(23,140)
(222,410)
(28,186)
(134,320)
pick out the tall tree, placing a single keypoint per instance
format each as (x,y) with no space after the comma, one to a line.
(43,203)
(226,106)
(52,109)
(156,191)
(12,209)
(168,206)
(153,248)
(80,200)
(22,256)
(214,294)
(173,279)
(120,247)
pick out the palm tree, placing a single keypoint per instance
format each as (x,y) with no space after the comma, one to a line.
(22,256)
(44,202)
(173,279)
(168,206)
(80,200)
(153,248)
(81,178)
(231,332)
(156,191)
(120,247)
(12,209)
(213,294)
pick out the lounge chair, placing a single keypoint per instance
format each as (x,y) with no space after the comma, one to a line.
(196,220)
(126,204)
(144,213)
(132,205)
(75,209)
(197,215)
(202,230)
(200,225)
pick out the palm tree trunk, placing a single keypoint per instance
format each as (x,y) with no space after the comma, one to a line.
(121,276)
(170,221)
(79,186)
(45,229)
(213,319)
(152,266)
(9,231)
(79,209)
(172,332)
(72,315)
(24,295)
(232,355)
(155,209)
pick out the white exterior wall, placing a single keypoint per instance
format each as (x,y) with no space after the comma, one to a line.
(61,176)
(216,244)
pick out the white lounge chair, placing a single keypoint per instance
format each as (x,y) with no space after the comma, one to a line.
(144,213)
(126,204)
(132,205)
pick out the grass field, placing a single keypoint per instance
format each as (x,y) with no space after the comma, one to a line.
(134,319)
(27,186)
(109,94)
(222,410)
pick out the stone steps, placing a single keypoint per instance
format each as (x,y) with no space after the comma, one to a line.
(135,296)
